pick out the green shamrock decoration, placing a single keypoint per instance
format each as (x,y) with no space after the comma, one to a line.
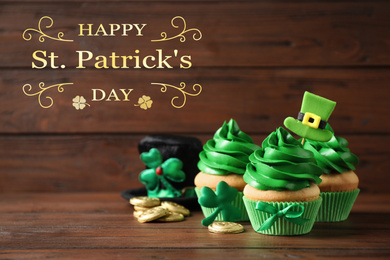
(156,177)
(221,200)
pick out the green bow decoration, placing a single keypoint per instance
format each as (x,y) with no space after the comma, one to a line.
(221,200)
(156,178)
(287,213)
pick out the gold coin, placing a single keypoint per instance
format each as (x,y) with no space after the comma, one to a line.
(153,214)
(224,227)
(175,207)
(171,217)
(145,201)
(139,208)
(136,214)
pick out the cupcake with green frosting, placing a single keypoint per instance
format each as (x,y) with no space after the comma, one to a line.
(224,158)
(339,187)
(281,195)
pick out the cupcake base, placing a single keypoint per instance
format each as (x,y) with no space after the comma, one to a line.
(336,206)
(283,227)
(237,202)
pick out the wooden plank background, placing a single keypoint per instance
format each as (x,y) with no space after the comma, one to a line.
(254,61)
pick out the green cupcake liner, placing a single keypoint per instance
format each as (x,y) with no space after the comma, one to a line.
(283,227)
(336,206)
(237,202)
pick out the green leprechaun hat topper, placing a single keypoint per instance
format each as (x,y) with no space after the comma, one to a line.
(312,119)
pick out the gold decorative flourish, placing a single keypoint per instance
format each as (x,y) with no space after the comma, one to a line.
(181,35)
(196,87)
(43,89)
(43,35)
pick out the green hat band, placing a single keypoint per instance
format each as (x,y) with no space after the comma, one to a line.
(312,120)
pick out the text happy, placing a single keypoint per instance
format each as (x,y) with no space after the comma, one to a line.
(110,29)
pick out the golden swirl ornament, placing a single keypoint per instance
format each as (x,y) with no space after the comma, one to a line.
(196,36)
(27,88)
(196,87)
(27,35)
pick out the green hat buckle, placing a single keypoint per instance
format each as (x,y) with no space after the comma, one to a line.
(312,119)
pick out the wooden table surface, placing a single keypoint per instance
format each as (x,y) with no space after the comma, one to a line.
(102,226)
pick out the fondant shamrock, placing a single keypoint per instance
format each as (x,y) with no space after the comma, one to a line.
(156,177)
(221,200)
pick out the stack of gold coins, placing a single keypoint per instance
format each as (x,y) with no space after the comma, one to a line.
(147,209)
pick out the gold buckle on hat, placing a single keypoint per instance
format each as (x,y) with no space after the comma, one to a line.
(311,120)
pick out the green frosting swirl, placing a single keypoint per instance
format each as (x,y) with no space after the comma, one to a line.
(333,156)
(282,164)
(228,152)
